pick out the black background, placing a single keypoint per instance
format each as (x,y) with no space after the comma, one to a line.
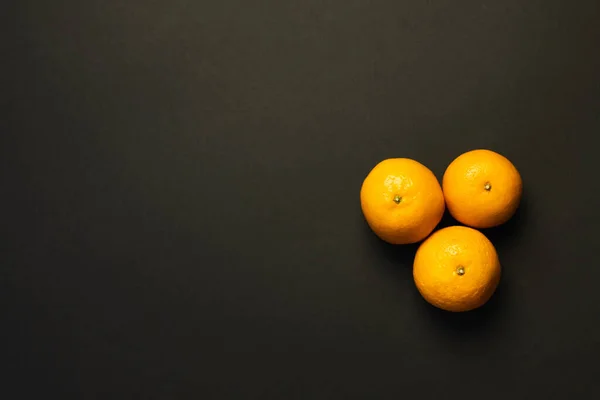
(180,204)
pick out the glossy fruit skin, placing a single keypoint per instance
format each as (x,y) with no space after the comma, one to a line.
(402,200)
(482,189)
(457,269)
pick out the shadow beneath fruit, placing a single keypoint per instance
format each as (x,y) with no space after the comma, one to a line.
(507,234)
(488,319)
(447,220)
(400,258)
(502,236)
(395,260)
(495,315)
(403,255)
(462,327)
(400,255)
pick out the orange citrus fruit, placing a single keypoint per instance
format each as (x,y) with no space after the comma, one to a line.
(401,200)
(456,269)
(482,188)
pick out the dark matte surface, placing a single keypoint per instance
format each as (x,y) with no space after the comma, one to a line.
(180,188)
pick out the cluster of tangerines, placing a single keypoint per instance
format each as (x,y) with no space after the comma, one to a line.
(455,268)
